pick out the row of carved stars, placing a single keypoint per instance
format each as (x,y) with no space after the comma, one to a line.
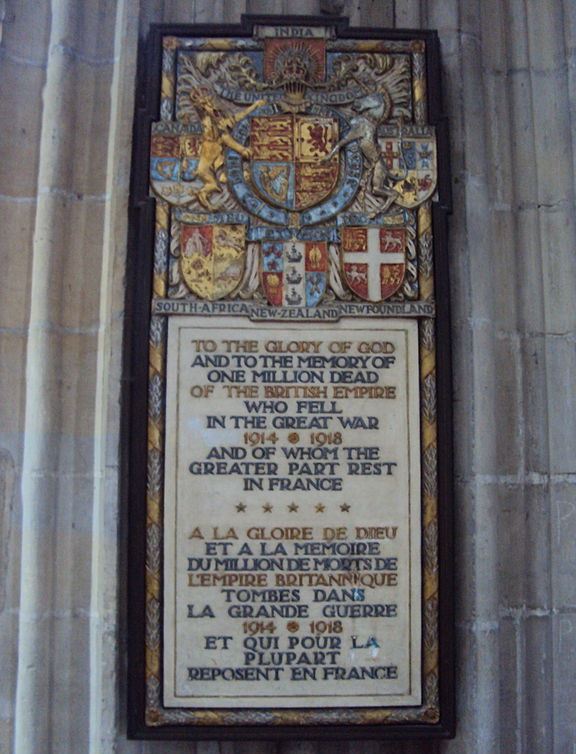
(292,507)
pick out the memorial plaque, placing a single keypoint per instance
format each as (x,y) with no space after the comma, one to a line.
(288,413)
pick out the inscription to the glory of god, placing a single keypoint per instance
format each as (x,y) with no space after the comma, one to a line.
(292,515)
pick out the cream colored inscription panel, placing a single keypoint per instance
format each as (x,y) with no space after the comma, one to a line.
(292,552)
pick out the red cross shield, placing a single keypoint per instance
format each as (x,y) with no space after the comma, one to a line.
(374,260)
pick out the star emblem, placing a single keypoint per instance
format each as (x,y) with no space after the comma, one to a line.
(267,508)
(292,507)
(241,507)
(320,507)
(345,507)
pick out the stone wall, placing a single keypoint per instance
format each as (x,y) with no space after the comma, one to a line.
(66,106)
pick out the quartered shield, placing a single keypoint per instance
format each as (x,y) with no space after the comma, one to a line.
(212,258)
(174,156)
(410,160)
(294,273)
(287,167)
(374,260)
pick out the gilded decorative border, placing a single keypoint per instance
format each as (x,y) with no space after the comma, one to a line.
(156,389)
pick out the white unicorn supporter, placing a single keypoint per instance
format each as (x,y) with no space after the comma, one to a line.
(363,130)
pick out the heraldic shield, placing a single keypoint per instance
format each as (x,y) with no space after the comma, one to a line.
(212,258)
(410,159)
(174,157)
(294,273)
(374,260)
(287,167)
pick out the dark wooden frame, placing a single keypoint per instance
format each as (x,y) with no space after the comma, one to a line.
(135,384)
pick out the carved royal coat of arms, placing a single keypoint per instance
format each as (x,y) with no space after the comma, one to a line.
(294,169)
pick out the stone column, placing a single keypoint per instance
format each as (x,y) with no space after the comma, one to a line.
(22,56)
(509,74)
(69,460)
